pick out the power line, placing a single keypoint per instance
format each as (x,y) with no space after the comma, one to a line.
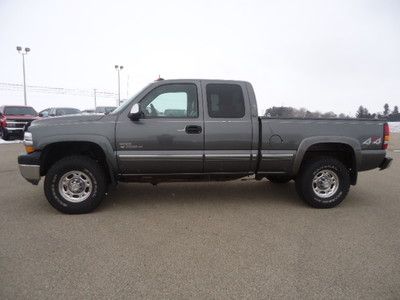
(16,87)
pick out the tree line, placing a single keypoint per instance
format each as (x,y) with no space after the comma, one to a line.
(387,114)
(362,112)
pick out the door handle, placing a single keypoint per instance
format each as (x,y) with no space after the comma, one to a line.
(193,129)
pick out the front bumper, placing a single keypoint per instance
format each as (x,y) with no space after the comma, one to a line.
(387,161)
(13,131)
(29,167)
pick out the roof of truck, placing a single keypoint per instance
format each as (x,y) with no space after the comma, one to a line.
(200,79)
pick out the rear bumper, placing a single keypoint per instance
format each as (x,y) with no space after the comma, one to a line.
(29,167)
(387,161)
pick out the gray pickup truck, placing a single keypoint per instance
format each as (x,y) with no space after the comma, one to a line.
(188,130)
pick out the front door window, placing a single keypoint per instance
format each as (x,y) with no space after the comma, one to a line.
(171,101)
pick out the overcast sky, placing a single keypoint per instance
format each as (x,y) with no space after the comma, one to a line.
(322,55)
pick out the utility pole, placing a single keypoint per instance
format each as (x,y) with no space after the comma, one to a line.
(23,53)
(119,68)
(95,100)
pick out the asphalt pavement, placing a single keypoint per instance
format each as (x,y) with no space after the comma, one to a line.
(239,239)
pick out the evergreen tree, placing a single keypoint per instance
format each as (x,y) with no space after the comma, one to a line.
(360,112)
(386,110)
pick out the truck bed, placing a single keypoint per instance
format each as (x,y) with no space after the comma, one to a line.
(284,141)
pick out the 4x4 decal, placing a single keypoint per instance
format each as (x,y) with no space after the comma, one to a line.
(373,140)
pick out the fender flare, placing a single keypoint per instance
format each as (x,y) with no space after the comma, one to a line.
(99,140)
(308,142)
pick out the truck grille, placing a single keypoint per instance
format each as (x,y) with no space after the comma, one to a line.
(19,123)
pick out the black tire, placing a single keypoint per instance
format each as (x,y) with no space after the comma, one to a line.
(94,173)
(5,136)
(279,178)
(311,169)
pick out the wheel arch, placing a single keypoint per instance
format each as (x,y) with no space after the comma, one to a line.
(347,150)
(98,149)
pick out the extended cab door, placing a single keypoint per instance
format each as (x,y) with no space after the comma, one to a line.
(169,138)
(228,125)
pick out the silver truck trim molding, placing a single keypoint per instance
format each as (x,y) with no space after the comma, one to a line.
(275,156)
(183,156)
(30,172)
(129,157)
(278,155)
(227,156)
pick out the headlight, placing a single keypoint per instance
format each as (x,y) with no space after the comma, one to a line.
(28,142)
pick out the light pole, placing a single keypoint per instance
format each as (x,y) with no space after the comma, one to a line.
(23,53)
(95,100)
(119,68)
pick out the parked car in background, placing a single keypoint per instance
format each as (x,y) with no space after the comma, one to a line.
(104,109)
(58,111)
(15,119)
(88,111)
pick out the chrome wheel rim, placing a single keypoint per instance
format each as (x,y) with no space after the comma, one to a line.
(75,186)
(325,183)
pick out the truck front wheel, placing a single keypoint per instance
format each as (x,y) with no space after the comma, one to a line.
(323,182)
(75,185)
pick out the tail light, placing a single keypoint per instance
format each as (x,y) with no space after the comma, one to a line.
(386,136)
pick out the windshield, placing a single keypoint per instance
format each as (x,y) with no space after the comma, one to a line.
(19,110)
(67,111)
(127,102)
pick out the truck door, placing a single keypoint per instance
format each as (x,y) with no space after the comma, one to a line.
(228,128)
(169,137)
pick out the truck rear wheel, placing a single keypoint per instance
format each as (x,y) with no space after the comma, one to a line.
(323,182)
(75,185)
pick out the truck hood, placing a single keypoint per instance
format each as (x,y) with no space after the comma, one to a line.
(70,119)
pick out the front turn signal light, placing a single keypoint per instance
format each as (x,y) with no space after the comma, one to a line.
(29,149)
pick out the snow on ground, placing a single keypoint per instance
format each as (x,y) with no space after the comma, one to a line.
(10,142)
(394,126)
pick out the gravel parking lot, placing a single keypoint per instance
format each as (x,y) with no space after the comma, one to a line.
(236,239)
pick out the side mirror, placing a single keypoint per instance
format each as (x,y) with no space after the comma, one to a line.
(135,114)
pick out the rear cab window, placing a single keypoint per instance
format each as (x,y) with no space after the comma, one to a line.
(225,101)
